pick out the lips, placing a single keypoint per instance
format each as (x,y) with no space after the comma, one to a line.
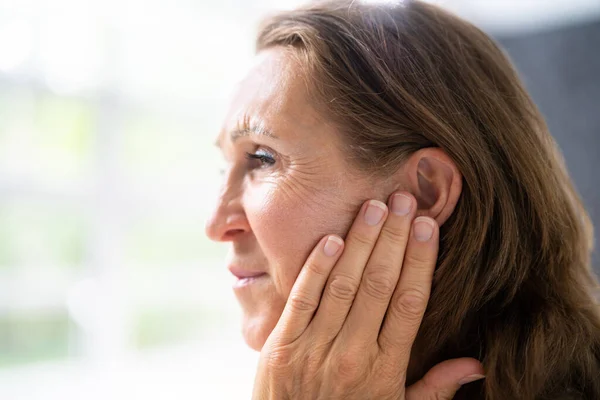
(241,273)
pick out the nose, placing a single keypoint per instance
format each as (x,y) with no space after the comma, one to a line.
(228,219)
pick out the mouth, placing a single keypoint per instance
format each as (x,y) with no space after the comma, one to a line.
(245,277)
(243,282)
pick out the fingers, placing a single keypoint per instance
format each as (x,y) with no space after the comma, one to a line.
(345,277)
(307,290)
(381,273)
(443,381)
(410,298)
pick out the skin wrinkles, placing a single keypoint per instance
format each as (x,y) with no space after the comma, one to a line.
(303,182)
(304,179)
(274,215)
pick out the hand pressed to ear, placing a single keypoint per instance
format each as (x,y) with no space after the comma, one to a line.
(353,314)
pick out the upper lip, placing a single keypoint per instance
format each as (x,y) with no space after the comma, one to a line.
(243,273)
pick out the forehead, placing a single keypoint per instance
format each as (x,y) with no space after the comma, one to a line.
(274,94)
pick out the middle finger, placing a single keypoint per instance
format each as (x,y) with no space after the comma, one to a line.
(345,277)
(381,273)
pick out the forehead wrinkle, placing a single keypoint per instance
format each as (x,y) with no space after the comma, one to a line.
(245,128)
(286,102)
(251,131)
(275,97)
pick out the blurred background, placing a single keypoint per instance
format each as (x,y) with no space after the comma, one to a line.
(108,111)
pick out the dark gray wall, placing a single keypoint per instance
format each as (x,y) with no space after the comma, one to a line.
(561,69)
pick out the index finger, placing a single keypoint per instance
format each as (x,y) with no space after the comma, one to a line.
(306,292)
(409,301)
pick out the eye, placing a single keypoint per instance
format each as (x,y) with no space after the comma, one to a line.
(262,157)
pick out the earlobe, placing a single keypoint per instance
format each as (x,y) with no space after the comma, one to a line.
(436,183)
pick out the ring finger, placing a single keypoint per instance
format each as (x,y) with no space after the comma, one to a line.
(345,277)
(381,274)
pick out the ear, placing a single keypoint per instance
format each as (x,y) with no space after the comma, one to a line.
(435,181)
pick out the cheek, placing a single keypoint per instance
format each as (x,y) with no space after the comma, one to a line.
(287,228)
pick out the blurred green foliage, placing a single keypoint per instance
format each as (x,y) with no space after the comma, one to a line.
(34,232)
(26,337)
(154,145)
(45,137)
(168,325)
(67,124)
(49,143)
(167,241)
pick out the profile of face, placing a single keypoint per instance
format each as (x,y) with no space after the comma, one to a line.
(287,184)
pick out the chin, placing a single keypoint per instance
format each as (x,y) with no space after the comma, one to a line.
(256,330)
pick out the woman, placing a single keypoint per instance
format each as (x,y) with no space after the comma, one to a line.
(351,106)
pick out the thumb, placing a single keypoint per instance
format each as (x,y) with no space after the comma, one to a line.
(444,380)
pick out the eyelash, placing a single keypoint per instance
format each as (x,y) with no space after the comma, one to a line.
(262,156)
(265,159)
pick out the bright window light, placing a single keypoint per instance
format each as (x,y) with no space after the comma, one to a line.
(15,44)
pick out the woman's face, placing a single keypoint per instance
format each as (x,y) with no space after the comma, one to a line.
(286,185)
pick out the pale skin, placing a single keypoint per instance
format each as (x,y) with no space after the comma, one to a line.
(329,323)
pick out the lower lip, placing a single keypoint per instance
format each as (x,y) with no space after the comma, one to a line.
(244,282)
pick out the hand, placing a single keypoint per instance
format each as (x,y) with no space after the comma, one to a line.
(352,316)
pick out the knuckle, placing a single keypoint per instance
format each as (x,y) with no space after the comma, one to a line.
(391,372)
(377,283)
(318,268)
(342,288)
(360,240)
(395,233)
(418,258)
(302,302)
(279,360)
(348,366)
(411,304)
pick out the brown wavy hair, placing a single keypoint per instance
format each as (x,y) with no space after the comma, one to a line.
(513,286)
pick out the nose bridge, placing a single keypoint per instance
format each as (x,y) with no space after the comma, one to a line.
(230,190)
(228,203)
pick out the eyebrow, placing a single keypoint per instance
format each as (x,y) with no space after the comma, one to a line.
(253,130)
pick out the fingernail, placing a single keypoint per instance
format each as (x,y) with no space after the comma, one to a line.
(423,229)
(401,204)
(332,246)
(470,378)
(374,213)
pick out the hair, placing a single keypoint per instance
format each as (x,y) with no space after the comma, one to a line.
(513,285)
